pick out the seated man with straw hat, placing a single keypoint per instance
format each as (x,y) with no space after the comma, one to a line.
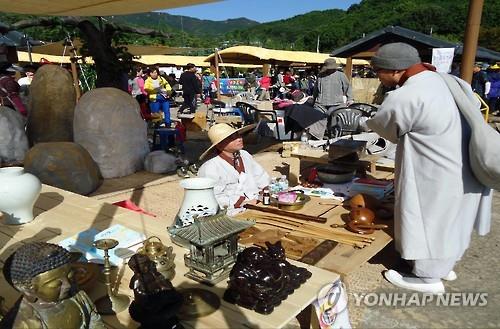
(239,177)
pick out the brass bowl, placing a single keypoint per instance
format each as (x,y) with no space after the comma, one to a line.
(302,199)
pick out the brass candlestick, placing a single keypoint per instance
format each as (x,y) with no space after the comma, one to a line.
(111,303)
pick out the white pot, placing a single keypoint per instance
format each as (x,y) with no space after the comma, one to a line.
(18,193)
(199,200)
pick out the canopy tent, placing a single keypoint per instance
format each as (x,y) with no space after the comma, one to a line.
(172,60)
(23,56)
(91,7)
(257,55)
(58,49)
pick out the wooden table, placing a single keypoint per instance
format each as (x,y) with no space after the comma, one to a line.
(295,154)
(61,214)
(341,258)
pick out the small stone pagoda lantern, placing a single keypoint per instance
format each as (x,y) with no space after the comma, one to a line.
(213,245)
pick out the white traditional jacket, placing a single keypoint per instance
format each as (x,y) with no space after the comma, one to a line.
(231,184)
(438,199)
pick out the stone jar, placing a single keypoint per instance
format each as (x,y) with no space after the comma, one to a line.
(199,200)
(18,193)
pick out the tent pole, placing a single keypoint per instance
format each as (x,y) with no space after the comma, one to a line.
(348,68)
(74,73)
(217,73)
(470,39)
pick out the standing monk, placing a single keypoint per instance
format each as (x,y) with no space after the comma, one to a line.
(438,199)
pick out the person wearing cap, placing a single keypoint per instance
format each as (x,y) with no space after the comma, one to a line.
(333,88)
(438,201)
(191,89)
(480,84)
(239,177)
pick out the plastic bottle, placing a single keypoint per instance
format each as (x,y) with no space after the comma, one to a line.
(304,138)
(283,182)
(273,186)
(266,197)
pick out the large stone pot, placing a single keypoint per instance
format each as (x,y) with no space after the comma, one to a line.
(109,126)
(18,193)
(65,165)
(52,102)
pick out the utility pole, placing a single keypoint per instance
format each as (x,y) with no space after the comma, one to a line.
(317,45)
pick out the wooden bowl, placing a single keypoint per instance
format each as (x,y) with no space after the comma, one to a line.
(362,216)
(364,201)
(353,227)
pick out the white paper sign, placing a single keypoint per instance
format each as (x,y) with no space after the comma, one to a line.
(442,59)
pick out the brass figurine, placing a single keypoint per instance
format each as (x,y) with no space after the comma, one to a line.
(162,255)
(156,302)
(42,273)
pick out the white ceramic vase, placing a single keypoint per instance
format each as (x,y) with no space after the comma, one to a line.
(199,200)
(18,193)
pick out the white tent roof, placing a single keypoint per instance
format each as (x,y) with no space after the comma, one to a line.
(91,7)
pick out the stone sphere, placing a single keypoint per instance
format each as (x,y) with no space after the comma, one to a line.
(65,165)
(52,100)
(108,124)
(13,140)
(160,162)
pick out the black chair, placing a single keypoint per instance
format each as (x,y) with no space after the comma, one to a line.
(251,115)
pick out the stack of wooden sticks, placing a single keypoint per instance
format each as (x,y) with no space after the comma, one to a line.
(312,229)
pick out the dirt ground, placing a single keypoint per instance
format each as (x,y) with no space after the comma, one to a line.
(477,271)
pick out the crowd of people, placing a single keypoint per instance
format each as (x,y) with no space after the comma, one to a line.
(155,91)
(486,83)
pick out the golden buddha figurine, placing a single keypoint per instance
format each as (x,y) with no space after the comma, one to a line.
(41,272)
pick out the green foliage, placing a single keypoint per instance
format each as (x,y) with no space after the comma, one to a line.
(335,28)
(167,23)
(87,77)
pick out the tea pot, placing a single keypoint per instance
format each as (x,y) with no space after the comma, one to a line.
(160,254)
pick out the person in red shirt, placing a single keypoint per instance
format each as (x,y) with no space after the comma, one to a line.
(265,84)
(289,79)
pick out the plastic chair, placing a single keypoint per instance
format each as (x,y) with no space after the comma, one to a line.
(251,115)
(344,121)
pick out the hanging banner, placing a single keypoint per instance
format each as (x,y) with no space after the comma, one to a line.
(232,86)
(442,59)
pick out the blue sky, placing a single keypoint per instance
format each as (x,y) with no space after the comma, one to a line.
(258,10)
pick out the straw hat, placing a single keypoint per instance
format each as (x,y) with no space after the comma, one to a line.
(220,131)
(329,64)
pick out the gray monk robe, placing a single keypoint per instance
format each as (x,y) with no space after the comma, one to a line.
(438,200)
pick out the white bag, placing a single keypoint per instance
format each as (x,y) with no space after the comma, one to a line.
(484,144)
